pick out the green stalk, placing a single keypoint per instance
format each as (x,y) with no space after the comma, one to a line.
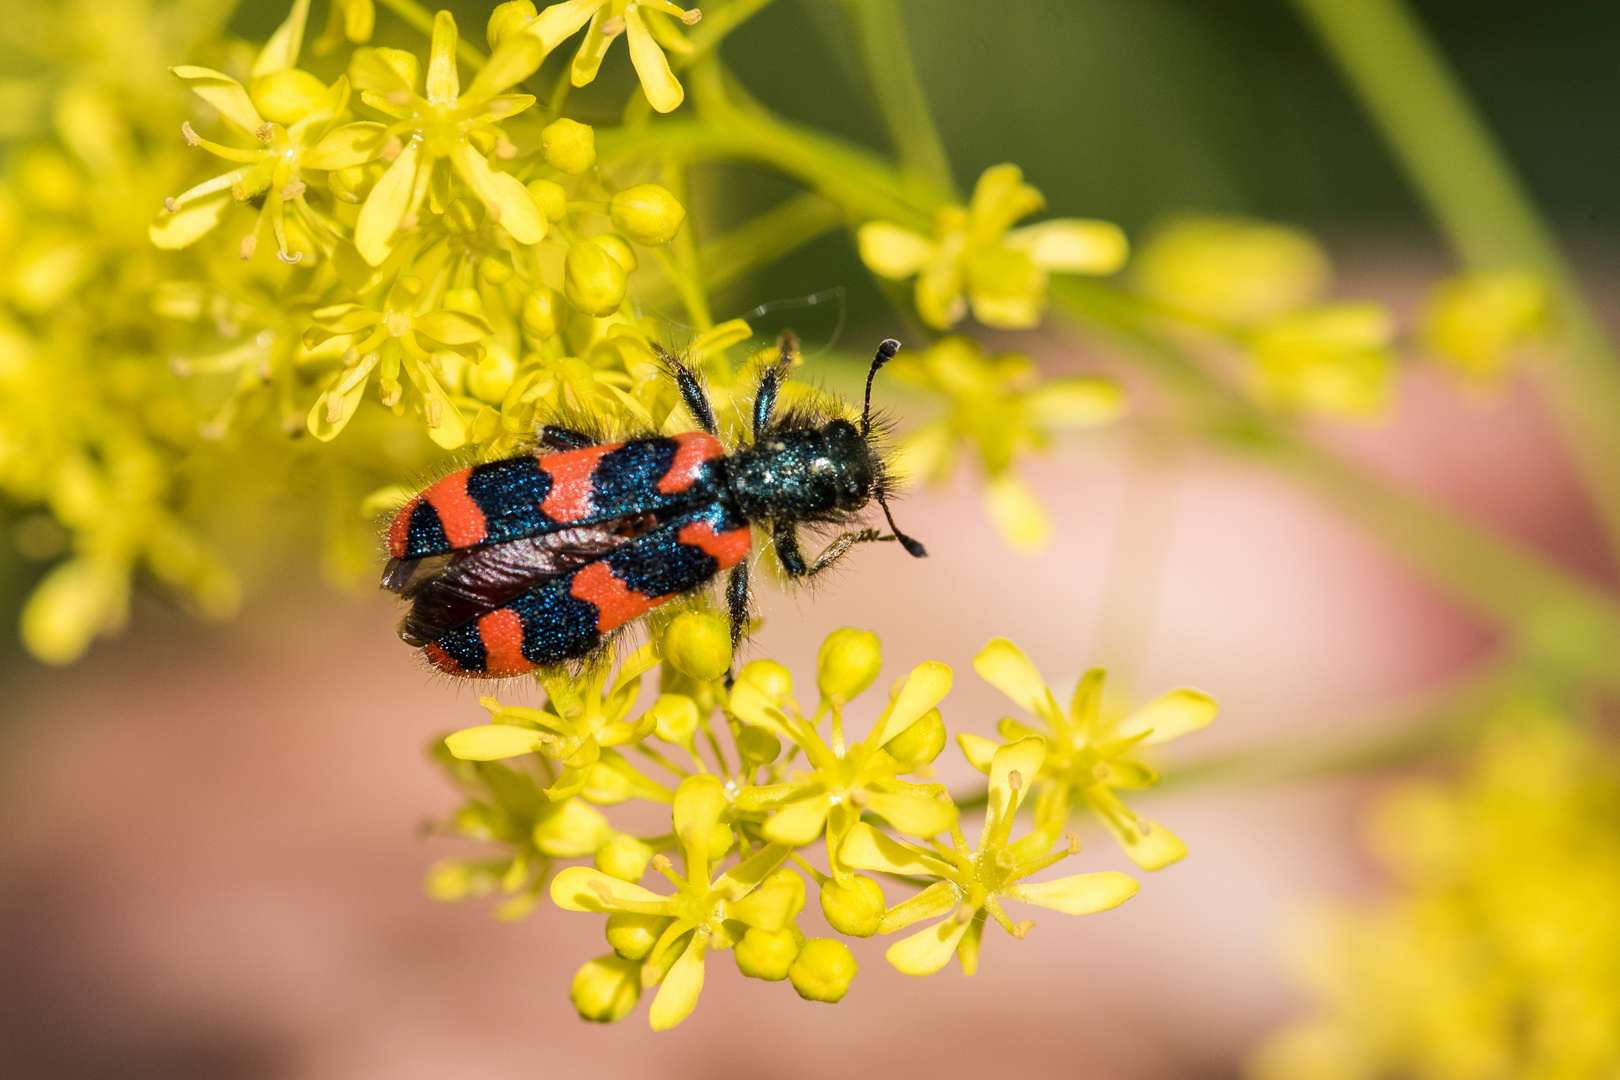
(880,33)
(1470,188)
(1555,617)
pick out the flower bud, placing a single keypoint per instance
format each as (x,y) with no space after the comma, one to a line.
(696,644)
(569,146)
(466,300)
(720,840)
(623,857)
(647,214)
(618,247)
(351,185)
(550,197)
(495,269)
(853,907)
(459,879)
(758,745)
(404,64)
(464,216)
(773,680)
(491,377)
(823,970)
(767,954)
(848,662)
(593,280)
(542,313)
(676,716)
(508,18)
(286,96)
(606,989)
(634,935)
(921,742)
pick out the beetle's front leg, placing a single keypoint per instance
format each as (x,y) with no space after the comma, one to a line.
(791,555)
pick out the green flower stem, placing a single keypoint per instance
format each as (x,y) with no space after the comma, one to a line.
(880,32)
(1483,208)
(1556,618)
(693,282)
(420,18)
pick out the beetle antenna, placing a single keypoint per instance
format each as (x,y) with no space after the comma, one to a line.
(913,548)
(885,352)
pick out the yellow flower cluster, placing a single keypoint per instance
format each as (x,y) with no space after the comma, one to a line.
(1499,953)
(755,783)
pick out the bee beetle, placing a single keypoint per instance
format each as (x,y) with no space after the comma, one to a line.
(538,559)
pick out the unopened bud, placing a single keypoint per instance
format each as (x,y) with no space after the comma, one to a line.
(506,19)
(676,716)
(921,742)
(464,216)
(823,970)
(464,300)
(696,644)
(848,662)
(618,247)
(593,280)
(757,745)
(767,954)
(542,313)
(720,840)
(647,214)
(550,197)
(286,96)
(606,989)
(623,857)
(568,145)
(632,935)
(772,679)
(853,907)
(491,377)
(495,269)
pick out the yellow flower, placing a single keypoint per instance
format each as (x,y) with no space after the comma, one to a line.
(645,24)
(1088,752)
(1474,321)
(346,20)
(844,781)
(438,133)
(1334,359)
(701,914)
(971,884)
(1232,270)
(999,406)
(973,258)
(287,110)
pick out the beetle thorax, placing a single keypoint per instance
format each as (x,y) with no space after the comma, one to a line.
(804,475)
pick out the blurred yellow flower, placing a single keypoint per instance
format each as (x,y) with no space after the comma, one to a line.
(1334,359)
(1474,321)
(1231,270)
(974,260)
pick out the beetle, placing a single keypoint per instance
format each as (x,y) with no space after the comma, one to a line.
(539,559)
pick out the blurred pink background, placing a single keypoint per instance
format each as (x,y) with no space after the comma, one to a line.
(209,865)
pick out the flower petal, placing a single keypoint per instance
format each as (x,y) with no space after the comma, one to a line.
(928,950)
(658,82)
(977,749)
(891,251)
(1170,715)
(1023,757)
(518,57)
(678,994)
(351,144)
(868,849)
(1075,401)
(443,84)
(923,689)
(1000,198)
(509,203)
(223,93)
(1004,666)
(191,222)
(452,327)
(385,207)
(797,823)
(940,898)
(281,51)
(699,802)
(914,814)
(584,888)
(927,453)
(1081,894)
(1017,513)
(744,878)
(491,742)
(560,21)
(1073,245)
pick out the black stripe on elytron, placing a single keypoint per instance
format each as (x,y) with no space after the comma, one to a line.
(657,563)
(625,481)
(557,625)
(425,534)
(465,647)
(510,492)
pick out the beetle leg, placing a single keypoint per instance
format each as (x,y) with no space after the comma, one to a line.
(737,607)
(770,384)
(561,438)
(791,555)
(693,394)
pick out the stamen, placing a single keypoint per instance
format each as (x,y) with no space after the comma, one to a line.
(191,137)
(603,893)
(611,28)
(1101,771)
(1004,859)
(390,392)
(661,863)
(250,244)
(691,16)
(1074,843)
(435,413)
(392,148)
(505,148)
(1015,781)
(1021,930)
(171,206)
(334,407)
(293,190)
(264,132)
(407,223)
(289,257)
(399,97)
(963,914)
(179,365)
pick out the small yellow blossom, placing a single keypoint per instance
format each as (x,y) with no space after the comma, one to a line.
(1089,753)
(646,25)
(971,884)
(1474,321)
(974,260)
(1334,359)
(1001,408)
(1232,270)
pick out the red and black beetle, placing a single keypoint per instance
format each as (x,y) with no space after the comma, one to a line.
(537,559)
